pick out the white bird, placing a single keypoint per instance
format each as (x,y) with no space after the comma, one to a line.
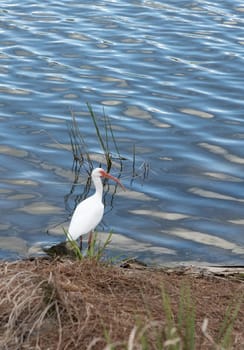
(89,212)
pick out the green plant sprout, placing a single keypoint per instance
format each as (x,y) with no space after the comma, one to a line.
(96,249)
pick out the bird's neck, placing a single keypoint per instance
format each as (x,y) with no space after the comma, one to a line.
(98,187)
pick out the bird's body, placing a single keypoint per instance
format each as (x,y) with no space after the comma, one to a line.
(86,217)
(89,212)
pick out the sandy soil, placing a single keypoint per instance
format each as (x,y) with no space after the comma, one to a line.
(67,304)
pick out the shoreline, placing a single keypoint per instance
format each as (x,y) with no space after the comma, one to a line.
(43,295)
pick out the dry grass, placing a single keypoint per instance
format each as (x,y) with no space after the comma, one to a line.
(64,304)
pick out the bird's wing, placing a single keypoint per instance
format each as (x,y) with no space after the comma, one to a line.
(86,217)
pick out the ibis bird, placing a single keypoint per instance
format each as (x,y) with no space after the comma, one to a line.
(89,212)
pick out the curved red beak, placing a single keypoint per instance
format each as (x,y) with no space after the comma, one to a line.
(108,176)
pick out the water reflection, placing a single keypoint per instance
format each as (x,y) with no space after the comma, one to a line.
(204,238)
(160,215)
(14,244)
(223,177)
(39,208)
(223,152)
(197,113)
(14,91)
(121,245)
(215,195)
(11,151)
(169,75)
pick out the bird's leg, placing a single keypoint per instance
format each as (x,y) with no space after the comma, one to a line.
(89,240)
(81,243)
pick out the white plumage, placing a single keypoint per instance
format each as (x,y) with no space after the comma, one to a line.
(89,212)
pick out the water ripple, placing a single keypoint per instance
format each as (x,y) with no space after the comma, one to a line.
(170,76)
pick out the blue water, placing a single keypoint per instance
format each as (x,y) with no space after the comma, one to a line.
(170,77)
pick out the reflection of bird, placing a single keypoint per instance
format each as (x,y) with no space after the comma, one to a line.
(89,212)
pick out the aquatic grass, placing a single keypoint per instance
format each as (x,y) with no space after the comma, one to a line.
(83,161)
(104,143)
(73,245)
(105,137)
(97,249)
(108,145)
(79,147)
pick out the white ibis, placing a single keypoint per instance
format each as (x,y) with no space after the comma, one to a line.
(89,212)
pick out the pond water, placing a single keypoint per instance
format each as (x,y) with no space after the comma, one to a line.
(169,75)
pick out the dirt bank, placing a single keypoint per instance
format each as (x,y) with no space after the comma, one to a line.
(66,304)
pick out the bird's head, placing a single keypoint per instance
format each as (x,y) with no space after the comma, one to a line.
(99,172)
